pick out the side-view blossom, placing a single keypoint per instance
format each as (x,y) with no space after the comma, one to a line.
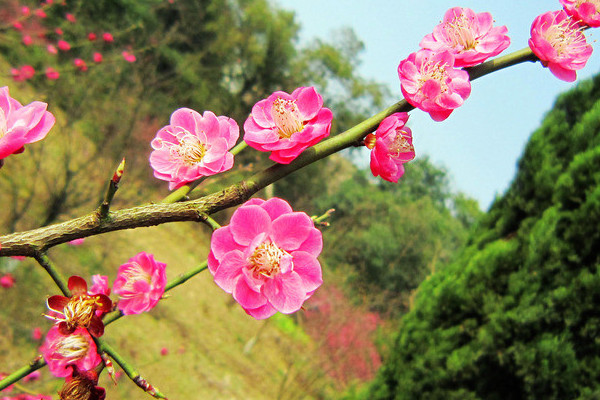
(21,125)
(470,37)
(557,40)
(63,352)
(391,147)
(430,82)
(267,257)
(193,146)
(82,385)
(287,124)
(586,12)
(79,310)
(140,284)
(99,285)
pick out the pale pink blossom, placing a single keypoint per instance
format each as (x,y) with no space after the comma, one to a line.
(97,57)
(560,44)
(193,146)
(470,37)
(52,74)
(63,352)
(27,40)
(108,37)
(586,12)
(20,125)
(430,82)
(267,257)
(7,281)
(63,45)
(99,285)
(287,124)
(140,284)
(51,49)
(129,57)
(391,147)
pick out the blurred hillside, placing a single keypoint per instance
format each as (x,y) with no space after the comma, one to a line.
(223,56)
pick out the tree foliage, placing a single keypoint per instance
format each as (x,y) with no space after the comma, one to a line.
(516,315)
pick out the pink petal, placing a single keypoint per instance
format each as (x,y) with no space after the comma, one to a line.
(261,312)
(291,230)
(229,270)
(247,222)
(275,207)
(285,292)
(309,269)
(185,118)
(247,297)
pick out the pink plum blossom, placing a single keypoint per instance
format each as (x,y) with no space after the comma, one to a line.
(140,284)
(27,40)
(287,124)
(40,13)
(392,147)
(560,44)
(36,333)
(7,281)
(97,57)
(58,31)
(99,285)
(63,45)
(129,57)
(51,49)
(20,125)
(91,36)
(108,37)
(470,37)
(52,74)
(80,64)
(587,12)
(70,17)
(193,146)
(25,10)
(22,74)
(63,352)
(430,82)
(267,257)
(17,25)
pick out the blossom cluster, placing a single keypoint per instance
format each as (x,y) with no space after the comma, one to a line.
(27,23)
(69,348)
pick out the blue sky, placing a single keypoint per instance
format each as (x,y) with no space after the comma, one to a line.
(480,143)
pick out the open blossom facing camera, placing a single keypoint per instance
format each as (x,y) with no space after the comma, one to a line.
(20,125)
(79,310)
(287,124)
(63,352)
(470,37)
(430,82)
(267,257)
(587,12)
(391,147)
(193,146)
(560,44)
(140,284)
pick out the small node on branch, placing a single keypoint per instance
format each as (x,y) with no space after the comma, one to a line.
(321,219)
(113,186)
(148,388)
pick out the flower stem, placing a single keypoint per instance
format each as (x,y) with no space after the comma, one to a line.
(214,225)
(113,186)
(128,369)
(45,262)
(22,372)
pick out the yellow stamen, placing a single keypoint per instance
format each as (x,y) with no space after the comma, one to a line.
(266,259)
(286,117)
(190,150)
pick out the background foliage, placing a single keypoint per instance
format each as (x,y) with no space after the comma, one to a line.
(516,315)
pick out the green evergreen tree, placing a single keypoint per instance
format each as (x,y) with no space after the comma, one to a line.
(517,315)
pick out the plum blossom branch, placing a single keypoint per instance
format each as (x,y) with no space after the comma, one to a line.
(31,242)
